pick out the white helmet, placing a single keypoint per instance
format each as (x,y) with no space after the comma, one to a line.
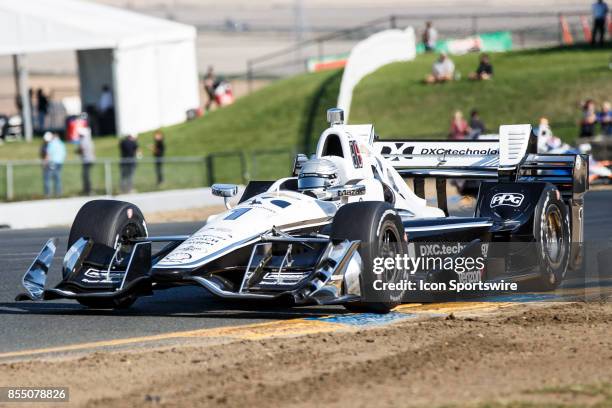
(317,175)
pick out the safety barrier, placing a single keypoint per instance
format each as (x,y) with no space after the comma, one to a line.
(24,180)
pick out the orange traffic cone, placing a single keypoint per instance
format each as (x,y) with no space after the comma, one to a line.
(586,29)
(565,30)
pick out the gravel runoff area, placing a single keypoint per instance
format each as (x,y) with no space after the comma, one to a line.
(537,354)
(193,214)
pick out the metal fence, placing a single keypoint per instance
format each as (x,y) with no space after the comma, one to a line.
(23,180)
(528,30)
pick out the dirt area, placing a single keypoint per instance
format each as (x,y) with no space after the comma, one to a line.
(526,355)
(193,214)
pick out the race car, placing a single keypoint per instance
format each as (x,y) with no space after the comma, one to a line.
(317,236)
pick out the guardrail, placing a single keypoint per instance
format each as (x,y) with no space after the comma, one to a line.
(23,180)
(533,29)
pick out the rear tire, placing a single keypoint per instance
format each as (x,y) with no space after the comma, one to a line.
(109,223)
(551,230)
(381,232)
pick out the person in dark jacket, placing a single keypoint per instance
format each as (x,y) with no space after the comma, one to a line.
(129,151)
(42,108)
(484,70)
(159,150)
(600,14)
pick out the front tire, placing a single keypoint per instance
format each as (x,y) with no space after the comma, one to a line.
(381,232)
(109,223)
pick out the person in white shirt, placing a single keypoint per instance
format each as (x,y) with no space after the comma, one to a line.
(106,99)
(430,37)
(600,13)
(106,112)
(443,70)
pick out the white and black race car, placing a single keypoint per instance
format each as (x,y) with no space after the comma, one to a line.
(314,237)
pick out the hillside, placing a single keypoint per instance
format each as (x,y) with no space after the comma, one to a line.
(288,115)
(527,85)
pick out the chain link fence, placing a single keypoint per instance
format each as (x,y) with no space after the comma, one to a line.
(23,180)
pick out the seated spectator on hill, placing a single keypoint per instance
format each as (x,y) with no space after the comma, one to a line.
(459,127)
(484,70)
(443,70)
(589,119)
(477,126)
(604,117)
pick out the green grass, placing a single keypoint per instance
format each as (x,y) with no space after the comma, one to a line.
(288,115)
(527,86)
(266,126)
(574,396)
(271,118)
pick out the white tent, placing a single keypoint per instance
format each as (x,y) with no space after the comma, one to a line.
(150,63)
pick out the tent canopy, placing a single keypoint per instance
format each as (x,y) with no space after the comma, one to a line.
(42,25)
(150,63)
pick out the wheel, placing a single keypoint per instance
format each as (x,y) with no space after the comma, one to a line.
(551,230)
(381,232)
(109,223)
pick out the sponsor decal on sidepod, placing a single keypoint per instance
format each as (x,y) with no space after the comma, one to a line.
(507,199)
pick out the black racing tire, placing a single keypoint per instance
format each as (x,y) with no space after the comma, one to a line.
(381,232)
(551,229)
(105,221)
(108,222)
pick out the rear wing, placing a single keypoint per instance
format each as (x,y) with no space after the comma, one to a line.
(513,157)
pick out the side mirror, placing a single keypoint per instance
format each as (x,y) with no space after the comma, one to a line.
(347,191)
(226,191)
(298,162)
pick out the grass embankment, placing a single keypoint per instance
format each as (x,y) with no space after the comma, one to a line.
(527,85)
(289,114)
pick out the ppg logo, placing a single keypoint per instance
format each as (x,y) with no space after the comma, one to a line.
(509,199)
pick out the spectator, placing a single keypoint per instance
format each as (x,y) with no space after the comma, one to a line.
(589,119)
(443,70)
(430,37)
(600,13)
(88,157)
(209,86)
(54,160)
(47,138)
(484,70)
(106,112)
(476,125)
(129,151)
(42,108)
(459,127)
(159,149)
(604,117)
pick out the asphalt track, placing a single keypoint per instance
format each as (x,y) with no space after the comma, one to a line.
(28,326)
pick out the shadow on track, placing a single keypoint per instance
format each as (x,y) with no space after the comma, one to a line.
(181,302)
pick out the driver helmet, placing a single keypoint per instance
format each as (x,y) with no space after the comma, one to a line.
(317,175)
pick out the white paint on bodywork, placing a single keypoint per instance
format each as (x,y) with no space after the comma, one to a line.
(246,222)
(405,199)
